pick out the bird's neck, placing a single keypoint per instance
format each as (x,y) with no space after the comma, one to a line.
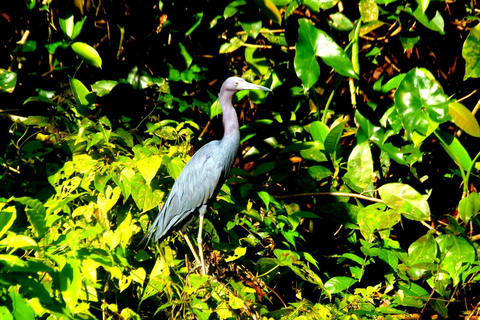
(230,119)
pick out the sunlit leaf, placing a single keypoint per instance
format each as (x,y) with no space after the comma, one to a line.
(87,54)
(19,241)
(340,22)
(423,257)
(457,254)
(333,137)
(270,10)
(148,167)
(313,42)
(339,284)
(411,295)
(256,61)
(67,24)
(359,174)
(8,80)
(423,4)
(418,99)
(145,198)
(464,118)
(368,10)
(471,53)
(238,253)
(406,200)
(469,206)
(70,283)
(436,23)
(7,217)
(375,219)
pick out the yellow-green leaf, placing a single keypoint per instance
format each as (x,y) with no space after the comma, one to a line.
(406,200)
(463,118)
(471,53)
(148,167)
(270,10)
(87,54)
(19,241)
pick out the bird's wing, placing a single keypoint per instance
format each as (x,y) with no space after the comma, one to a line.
(196,185)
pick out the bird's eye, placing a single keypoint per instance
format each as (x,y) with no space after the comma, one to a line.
(236,84)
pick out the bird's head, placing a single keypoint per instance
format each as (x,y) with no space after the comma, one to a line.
(236,84)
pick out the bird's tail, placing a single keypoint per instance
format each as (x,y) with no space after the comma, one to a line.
(148,236)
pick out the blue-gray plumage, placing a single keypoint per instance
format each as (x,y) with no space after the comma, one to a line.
(205,173)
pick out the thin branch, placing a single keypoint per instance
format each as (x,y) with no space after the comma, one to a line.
(338,194)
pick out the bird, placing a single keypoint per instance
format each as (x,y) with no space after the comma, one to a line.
(202,177)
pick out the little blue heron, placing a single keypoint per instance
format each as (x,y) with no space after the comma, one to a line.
(205,173)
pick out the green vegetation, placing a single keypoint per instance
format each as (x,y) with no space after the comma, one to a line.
(354,195)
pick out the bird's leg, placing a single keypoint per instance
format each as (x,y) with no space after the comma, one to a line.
(187,238)
(200,240)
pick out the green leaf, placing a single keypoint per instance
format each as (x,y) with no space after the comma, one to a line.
(8,80)
(104,87)
(67,25)
(19,241)
(186,56)
(87,54)
(7,217)
(464,118)
(36,214)
(406,200)
(319,131)
(256,61)
(313,42)
(468,206)
(359,174)
(375,219)
(418,99)
(234,44)
(77,29)
(145,198)
(70,283)
(80,92)
(264,168)
(457,255)
(316,5)
(333,137)
(232,8)
(423,4)
(198,19)
(339,284)
(21,309)
(38,121)
(252,28)
(411,295)
(340,22)
(319,172)
(175,167)
(436,24)
(471,53)
(455,149)
(423,256)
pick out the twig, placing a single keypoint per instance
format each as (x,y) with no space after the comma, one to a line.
(338,194)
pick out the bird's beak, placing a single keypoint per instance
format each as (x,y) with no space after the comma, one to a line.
(251,86)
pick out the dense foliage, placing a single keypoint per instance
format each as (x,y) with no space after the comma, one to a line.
(354,195)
